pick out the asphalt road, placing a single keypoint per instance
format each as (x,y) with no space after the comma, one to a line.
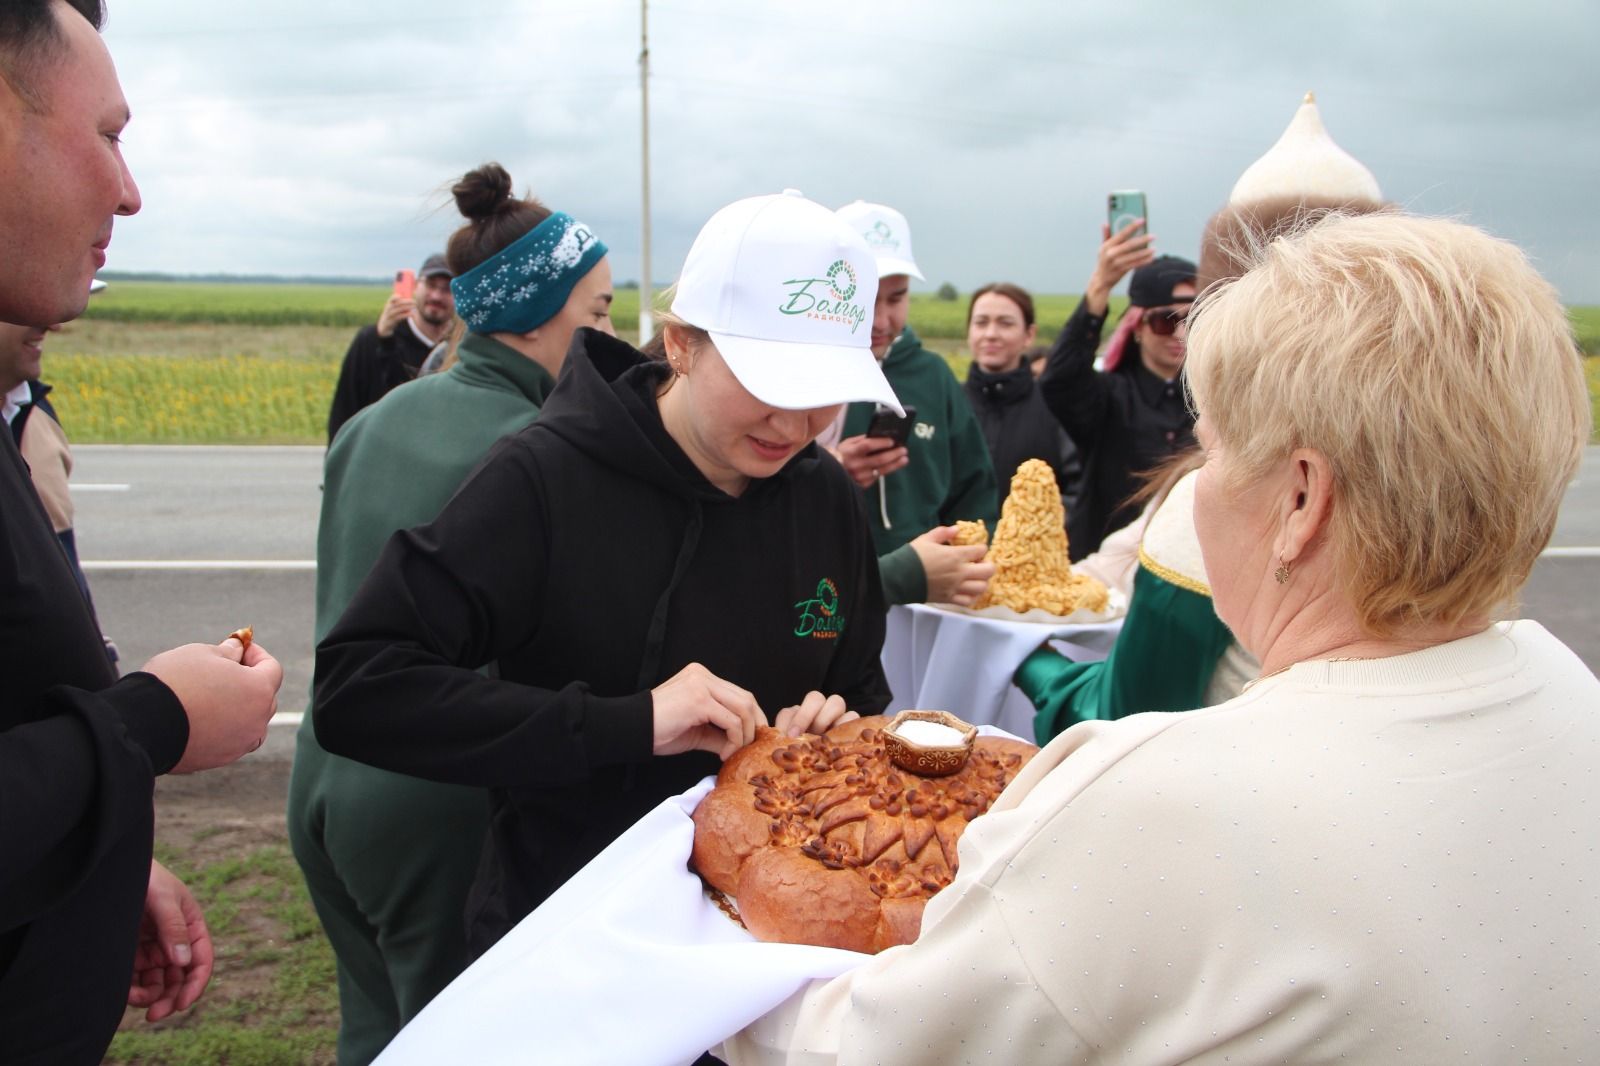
(190,543)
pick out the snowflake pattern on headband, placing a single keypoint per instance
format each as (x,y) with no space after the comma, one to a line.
(525,284)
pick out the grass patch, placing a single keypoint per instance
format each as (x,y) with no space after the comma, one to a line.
(225,303)
(273,1000)
(234,1043)
(1586,327)
(220,399)
(218,363)
(348,307)
(1591,370)
(199,340)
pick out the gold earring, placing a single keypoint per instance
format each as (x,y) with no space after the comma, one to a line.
(1282,572)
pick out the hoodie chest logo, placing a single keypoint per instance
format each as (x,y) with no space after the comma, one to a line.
(819,616)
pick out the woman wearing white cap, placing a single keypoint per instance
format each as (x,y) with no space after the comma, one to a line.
(654,568)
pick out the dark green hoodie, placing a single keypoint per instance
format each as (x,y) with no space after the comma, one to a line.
(393,466)
(949,478)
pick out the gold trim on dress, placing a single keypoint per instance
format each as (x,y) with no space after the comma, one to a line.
(1171,576)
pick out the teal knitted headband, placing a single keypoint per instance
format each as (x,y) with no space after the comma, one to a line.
(525,284)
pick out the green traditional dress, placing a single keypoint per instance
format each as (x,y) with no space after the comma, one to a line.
(1173,654)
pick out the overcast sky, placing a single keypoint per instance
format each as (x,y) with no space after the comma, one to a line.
(304,137)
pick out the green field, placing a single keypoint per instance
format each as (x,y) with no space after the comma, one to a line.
(214,362)
(352,306)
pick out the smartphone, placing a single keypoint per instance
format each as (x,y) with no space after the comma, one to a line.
(885,423)
(405,284)
(1122,207)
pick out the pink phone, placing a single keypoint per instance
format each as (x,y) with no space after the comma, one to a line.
(405,283)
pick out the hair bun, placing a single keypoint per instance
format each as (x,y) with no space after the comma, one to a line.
(483,192)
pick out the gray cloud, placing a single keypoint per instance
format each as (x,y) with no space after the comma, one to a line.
(299,138)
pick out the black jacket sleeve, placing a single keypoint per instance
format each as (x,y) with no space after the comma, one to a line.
(360,378)
(397,680)
(1069,469)
(1074,391)
(974,493)
(75,780)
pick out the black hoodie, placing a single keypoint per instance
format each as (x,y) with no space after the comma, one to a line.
(1124,423)
(1017,426)
(588,560)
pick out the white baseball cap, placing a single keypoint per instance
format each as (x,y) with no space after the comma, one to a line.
(786,291)
(887,234)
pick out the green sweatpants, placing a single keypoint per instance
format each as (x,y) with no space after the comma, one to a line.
(388,860)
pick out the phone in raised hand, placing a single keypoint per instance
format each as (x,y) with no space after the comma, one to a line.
(1123,208)
(405,284)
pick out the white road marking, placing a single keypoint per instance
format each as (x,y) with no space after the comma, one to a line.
(91,486)
(287,718)
(260,448)
(199,564)
(1570,553)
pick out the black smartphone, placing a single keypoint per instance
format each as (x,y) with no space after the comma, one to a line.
(885,423)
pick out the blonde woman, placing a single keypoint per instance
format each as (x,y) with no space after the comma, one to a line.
(1383,849)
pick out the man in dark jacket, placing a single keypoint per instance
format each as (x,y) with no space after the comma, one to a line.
(37,433)
(916,491)
(88,923)
(391,351)
(1129,415)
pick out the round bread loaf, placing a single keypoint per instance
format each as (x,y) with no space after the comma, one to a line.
(822,840)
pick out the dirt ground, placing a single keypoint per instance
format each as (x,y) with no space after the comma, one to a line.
(215,814)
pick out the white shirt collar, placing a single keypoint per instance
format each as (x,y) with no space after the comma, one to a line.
(14,401)
(417,331)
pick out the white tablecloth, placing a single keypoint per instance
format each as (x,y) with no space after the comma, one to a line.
(628,964)
(942,660)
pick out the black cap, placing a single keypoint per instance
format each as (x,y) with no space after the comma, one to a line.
(433,266)
(1152,284)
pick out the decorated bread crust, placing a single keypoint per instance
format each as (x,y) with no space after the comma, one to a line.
(822,840)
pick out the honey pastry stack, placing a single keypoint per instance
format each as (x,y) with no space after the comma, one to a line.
(1029,552)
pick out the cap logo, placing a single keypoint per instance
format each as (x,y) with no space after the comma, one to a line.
(841,282)
(848,289)
(881,236)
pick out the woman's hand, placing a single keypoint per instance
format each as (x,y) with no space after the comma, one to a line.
(814,714)
(866,459)
(695,710)
(956,573)
(1119,253)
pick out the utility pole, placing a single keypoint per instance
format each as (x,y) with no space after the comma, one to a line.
(646,325)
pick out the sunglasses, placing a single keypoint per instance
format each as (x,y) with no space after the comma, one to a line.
(1165,323)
